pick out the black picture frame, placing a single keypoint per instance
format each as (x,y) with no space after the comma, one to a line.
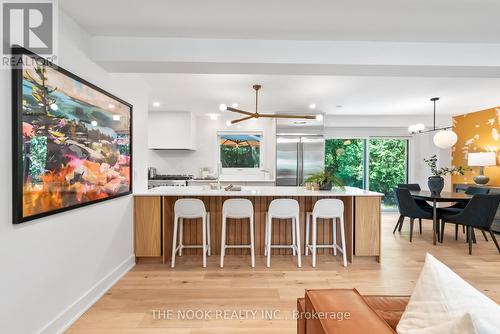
(17,155)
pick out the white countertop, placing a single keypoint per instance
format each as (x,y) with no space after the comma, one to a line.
(254,191)
(229,180)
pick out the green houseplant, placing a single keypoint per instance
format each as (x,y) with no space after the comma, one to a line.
(436,180)
(326,180)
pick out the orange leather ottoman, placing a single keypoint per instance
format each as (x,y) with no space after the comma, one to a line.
(389,308)
(301,320)
(338,311)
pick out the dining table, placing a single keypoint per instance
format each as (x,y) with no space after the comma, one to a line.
(445,196)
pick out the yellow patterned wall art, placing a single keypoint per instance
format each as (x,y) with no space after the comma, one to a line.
(477,132)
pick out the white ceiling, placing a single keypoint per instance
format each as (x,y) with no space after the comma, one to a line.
(356,20)
(456,21)
(202,93)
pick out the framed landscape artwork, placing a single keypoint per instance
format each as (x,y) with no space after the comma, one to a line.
(72,141)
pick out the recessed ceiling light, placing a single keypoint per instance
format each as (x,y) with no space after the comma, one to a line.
(319,117)
(94,123)
(228,123)
(213,117)
(222,107)
(111,106)
(234,105)
(116,117)
(156,104)
(312,106)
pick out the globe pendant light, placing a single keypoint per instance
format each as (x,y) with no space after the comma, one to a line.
(444,138)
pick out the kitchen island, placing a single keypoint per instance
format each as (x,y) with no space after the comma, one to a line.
(154,212)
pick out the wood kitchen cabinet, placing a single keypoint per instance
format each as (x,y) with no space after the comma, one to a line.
(367,225)
(147,226)
(154,221)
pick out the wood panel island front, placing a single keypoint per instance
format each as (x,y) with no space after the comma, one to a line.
(154,215)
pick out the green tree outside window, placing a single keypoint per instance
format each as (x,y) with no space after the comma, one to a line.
(387,164)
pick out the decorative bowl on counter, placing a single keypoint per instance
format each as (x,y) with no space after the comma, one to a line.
(232,187)
(214,186)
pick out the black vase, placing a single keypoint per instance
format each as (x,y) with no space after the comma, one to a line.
(436,184)
(325,186)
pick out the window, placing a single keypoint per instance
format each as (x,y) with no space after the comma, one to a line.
(345,158)
(377,164)
(240,150)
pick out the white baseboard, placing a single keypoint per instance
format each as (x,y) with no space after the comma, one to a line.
(67,317)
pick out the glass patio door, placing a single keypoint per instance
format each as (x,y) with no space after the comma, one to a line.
(387,167)
(346,159)
(377,164)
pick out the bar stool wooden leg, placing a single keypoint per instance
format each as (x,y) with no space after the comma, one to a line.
(223,242)
(342,232)
(308,218)
(174,242)
(208,235)
(252,241)
(265,237)
(314,236)
(204,240)
(269,231)
(297,234)
(181,237)
(334,231)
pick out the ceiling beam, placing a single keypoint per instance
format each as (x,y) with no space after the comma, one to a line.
(230,56)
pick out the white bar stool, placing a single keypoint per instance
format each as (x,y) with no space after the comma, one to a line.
(326,209)
(237,208)
(283,208)
(190,208)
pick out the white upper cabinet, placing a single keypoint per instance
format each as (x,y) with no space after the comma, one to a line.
(169,130)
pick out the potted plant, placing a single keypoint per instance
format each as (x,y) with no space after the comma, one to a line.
(436,181)
(326,180)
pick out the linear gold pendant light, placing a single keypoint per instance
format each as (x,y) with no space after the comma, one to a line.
(256,114)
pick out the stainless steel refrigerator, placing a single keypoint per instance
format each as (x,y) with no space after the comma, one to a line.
(297,157)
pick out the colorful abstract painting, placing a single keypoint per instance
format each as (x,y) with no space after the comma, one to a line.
(73,142)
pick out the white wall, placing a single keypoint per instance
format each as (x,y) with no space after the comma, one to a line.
(53,267)
(423,147)
(205,155)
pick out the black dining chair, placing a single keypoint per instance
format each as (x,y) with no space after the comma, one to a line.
(420,202)
(479,213)
(408,207)
(458,207)
(415,187)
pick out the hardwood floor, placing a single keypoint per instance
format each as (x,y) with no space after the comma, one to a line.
(128,306)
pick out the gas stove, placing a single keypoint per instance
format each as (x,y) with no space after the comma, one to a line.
(169,181)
